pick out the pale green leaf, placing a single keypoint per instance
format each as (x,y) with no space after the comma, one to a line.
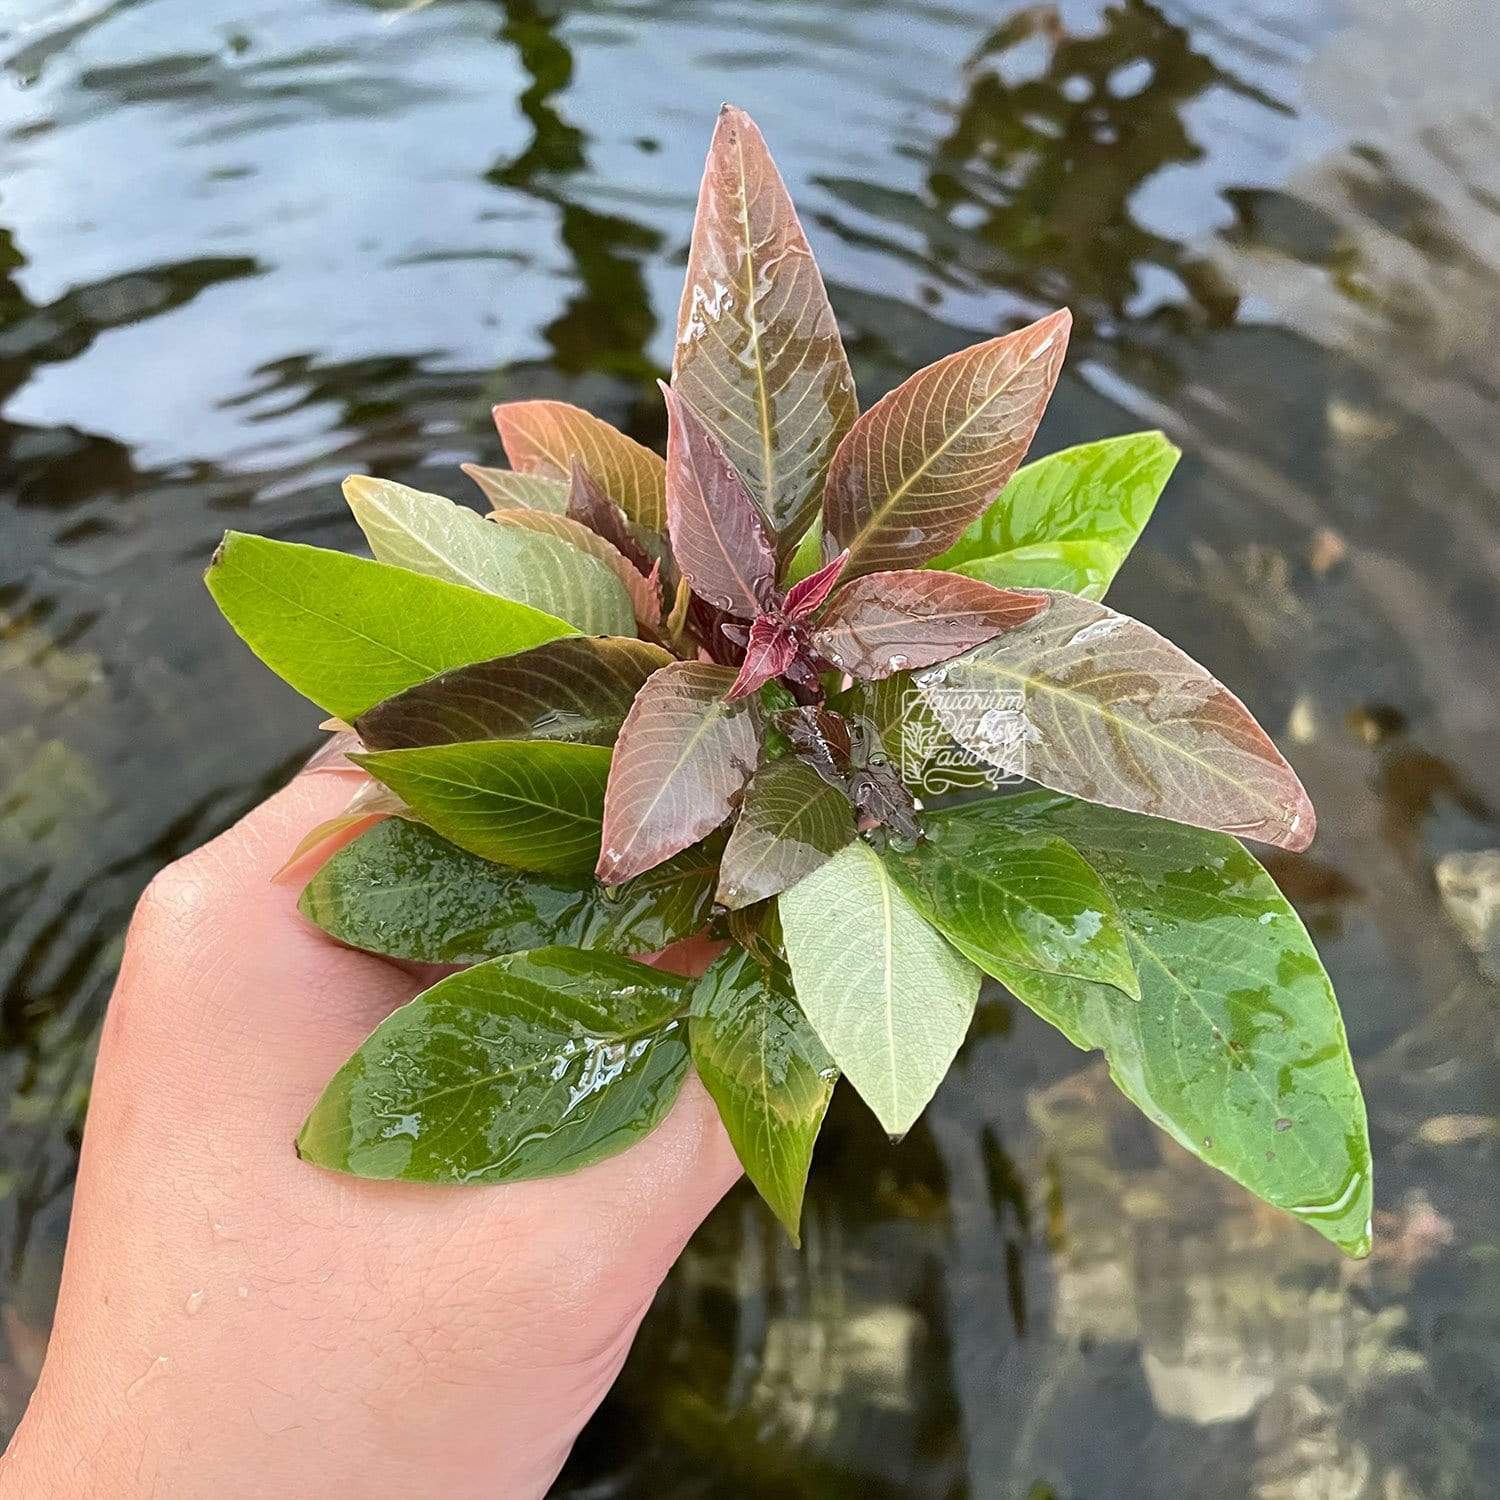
(432,535)
(888,996)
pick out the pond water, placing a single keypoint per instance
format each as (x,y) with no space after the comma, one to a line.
(248,247)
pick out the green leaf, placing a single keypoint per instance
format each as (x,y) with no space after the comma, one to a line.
(1069,520)
(347,632)
(768,1073)
(432,535)
(807,558)
(403,891)
(534,804)
(527,1066)
(1071,567)
(505,488)
(1115,713)
(790,821)
(578,689)
(886,994)
(1004,895)
(1236,1047)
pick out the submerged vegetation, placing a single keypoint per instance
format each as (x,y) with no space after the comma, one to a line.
(723,691)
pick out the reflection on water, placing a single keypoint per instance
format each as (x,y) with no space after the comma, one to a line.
(245,248)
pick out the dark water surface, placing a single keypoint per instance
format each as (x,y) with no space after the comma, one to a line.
(248,247)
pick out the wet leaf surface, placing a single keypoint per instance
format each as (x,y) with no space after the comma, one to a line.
(891,622)
(1114,713)
(719,540)
(1005,894)
(767,1072)
(761,359)
(508,489)
(534,804)
(682,758)
(432,535)
(578,689)
(403,891)
(527,1066)
(1069,520)
(347,632)
(790,821)
(1236,1046)
(886,994)
(545,437)
(916,469)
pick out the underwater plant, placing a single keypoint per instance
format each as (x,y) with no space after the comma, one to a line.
(779,688)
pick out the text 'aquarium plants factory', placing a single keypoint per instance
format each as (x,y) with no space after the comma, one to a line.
(778,693)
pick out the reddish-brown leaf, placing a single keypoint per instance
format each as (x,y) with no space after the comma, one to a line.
(684,754)
(590,506)
(579,689)
(926,459)
(892,622)
(805,597)
(758,348)
(544,437)
(769,651)
(1114,713)
(718,536)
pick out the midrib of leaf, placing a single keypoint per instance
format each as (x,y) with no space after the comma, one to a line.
(752,313)
(1091,705)
(902,489)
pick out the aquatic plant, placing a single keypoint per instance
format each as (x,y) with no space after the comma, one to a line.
(724,692)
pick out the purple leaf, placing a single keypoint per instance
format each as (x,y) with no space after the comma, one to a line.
(758,348)
(890,622)
(821,737)
(544,437)
(1114,713)
(917,467)
(684,754)
(804,597)
(718,536)
(769,650)
(589,505)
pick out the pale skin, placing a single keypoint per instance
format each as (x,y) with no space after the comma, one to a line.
(236,1323)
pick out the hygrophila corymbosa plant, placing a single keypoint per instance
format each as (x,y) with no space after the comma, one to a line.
(645,698)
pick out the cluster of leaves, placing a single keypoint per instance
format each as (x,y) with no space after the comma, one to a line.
(643,699)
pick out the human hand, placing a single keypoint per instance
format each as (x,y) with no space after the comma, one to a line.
(234,1322)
